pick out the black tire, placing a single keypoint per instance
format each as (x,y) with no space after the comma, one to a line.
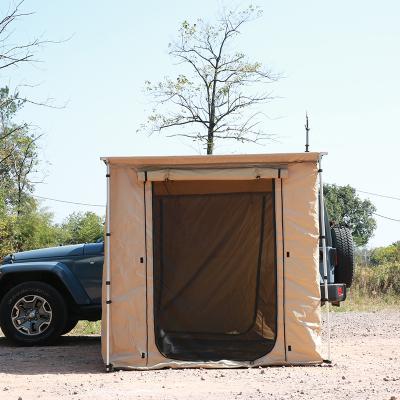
(33,314)
(71,324)
(342,240)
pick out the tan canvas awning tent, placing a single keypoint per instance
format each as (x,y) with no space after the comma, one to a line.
(212,261)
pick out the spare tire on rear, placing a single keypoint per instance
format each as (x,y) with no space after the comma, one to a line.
(342,240)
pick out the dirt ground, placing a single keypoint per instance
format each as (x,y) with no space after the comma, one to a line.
(366,365)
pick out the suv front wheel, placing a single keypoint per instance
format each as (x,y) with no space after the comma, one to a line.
(33,314)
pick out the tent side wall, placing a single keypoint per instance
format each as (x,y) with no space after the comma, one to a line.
(128,328)
(132,338)
(302,311)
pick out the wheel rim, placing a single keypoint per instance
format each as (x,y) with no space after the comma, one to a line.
(31,315)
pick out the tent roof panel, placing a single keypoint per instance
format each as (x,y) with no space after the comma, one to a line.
(202,160)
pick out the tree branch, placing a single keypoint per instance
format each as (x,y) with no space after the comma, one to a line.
(219,90)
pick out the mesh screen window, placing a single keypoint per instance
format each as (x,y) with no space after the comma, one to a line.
(214,270)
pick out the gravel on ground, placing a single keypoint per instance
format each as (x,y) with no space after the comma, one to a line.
(366,365)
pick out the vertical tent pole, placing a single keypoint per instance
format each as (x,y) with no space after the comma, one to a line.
(108,283)
(324,260)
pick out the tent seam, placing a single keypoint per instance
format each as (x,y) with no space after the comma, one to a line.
(283,273)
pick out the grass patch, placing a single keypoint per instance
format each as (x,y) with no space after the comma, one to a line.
(374,288)
(357,301)
(379,279)
(87,328)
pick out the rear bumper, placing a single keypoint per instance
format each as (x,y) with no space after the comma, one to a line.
(336,292)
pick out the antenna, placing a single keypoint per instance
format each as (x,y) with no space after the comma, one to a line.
(307,135)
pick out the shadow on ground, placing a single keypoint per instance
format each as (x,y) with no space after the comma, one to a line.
(70,354)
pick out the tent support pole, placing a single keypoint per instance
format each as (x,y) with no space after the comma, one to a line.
(324,259)
(108,282)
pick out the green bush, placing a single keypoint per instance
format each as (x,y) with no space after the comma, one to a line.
(388,254)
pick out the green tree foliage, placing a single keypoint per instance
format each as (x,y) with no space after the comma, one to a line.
(6,245)
(386,255)
(217,94)
(346,208)
(23,225)
(18,153)
(9,106)
(82,228)
(32,228)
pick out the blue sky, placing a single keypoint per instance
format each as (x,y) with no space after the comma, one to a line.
(340,62)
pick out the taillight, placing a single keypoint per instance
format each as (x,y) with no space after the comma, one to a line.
(340,291)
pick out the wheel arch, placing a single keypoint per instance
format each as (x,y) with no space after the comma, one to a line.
(54,274)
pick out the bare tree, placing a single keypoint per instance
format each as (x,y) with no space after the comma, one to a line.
(13,55)
(216,99)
